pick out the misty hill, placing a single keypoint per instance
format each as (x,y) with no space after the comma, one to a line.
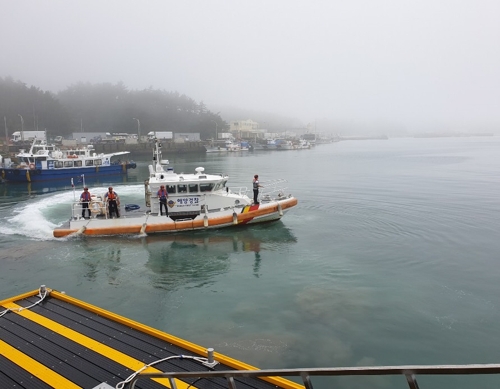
(103,108)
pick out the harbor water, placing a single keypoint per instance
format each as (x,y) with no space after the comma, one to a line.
(390,258)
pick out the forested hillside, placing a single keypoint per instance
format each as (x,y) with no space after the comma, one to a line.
(103,108)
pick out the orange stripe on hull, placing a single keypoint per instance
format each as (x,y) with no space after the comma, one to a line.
(115,230)
(61,233)
(184,225)
(220,220)
(289,203)
(160,227)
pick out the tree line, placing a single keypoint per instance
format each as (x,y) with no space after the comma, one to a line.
(103,107)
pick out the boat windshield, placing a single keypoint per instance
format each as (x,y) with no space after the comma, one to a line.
(207,187)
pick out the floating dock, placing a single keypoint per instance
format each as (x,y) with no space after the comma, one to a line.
(51,340)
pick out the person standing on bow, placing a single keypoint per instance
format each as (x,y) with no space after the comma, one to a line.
(163,196)
(113,201)
(256,187)
(85,200)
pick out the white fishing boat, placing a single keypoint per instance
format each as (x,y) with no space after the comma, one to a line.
(220,146)
(264,144)
(303,144)
(226,146)
(196,201)
(284,144)
(45,162)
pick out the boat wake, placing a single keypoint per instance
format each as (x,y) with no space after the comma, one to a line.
(37,217)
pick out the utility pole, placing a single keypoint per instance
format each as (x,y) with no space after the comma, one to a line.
(138,130)
(216,128)
(6,135)
(22,127)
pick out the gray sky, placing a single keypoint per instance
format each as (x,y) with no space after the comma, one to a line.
(416,64)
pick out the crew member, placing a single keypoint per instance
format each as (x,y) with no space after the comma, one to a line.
(256,187)
(85,200)
(163,196)
(113,201)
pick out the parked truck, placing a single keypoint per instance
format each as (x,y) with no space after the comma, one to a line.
(19,136)
(162,135)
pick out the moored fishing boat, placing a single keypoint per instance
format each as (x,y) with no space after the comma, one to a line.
(284,144)
(303,144)
(44,162)
(226,146)
(196,201)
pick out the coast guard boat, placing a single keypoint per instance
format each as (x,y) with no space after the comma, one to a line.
(44,162)
(196,201)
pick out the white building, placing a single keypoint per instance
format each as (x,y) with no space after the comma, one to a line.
(245,129)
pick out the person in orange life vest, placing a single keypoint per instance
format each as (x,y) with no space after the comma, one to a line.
(112,198)
(163,196)
(85,200)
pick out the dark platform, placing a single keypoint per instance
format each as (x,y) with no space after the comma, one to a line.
(65,343)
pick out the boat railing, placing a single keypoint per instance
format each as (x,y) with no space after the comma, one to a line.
(409,372)
(273,189)
(241,190)
(96,208)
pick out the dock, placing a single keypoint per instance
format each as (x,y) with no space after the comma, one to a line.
(51,340)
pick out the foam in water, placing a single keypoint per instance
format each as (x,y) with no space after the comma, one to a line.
(37,218)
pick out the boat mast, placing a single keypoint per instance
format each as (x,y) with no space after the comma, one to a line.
(156,154)
(32,145)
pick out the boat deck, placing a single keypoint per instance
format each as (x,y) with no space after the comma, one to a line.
(57,341)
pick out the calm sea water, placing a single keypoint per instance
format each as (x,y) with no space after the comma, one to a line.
(390,258)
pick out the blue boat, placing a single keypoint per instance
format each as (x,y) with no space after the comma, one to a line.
(44,162)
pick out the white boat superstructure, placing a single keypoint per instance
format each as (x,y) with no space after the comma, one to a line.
(48,155)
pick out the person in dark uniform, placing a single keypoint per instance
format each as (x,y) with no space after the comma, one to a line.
(113,201)
(85,200)
(256,187)
(163,197)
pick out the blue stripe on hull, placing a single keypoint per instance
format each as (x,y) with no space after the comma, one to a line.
(38,175)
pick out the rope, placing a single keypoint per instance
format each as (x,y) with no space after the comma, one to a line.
(121,385)
(42,292)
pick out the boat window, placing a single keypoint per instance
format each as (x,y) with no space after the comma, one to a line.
(170,188)
(89,162)
(78,163)
(193,188)
(68,163)
(206,187)
(58,164)
(97,162)
(182,188)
